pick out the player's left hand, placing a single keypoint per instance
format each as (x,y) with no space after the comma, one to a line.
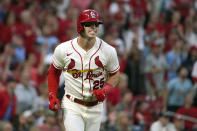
(54,104)
(100,95)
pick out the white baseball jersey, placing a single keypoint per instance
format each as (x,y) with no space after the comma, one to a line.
(83,70)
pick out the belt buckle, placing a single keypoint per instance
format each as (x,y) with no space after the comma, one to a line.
(72,98)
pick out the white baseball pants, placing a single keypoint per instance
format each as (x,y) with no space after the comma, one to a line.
(81,118)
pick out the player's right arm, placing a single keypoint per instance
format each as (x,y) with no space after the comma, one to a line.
(54,73)
(53,83)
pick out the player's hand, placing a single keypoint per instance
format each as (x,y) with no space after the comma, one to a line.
(100,95)
(54,104)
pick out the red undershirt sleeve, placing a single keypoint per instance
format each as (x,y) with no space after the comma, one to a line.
(53,79)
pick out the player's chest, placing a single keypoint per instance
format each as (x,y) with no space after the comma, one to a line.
(91,64)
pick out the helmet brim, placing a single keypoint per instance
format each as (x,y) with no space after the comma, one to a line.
(91,20)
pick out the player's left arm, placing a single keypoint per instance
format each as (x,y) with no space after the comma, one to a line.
(113,69)
(113,79)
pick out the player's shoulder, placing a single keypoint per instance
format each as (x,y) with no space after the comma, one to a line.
(105,46)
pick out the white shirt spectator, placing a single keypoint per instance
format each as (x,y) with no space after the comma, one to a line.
(191,38)
(194,71)
(25,97)
(157,126)
(194,74)
(129,36)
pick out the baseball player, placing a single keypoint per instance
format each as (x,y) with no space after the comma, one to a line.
(91,69)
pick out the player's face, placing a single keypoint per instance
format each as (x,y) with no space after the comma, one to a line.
(91,29)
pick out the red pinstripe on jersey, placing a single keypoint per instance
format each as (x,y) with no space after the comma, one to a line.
(90,61)
(81,63)
(114,71)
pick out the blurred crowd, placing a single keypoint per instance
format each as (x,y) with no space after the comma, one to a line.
(156,42)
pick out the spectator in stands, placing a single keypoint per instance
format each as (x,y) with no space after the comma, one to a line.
(25,93)
(47,38)
(171,38)
(23,122)
(141,114)
(194,74)
(188,111)
(124,123)
(20,53)
(174,59)
(175,24)
(6,126)
(182,6)
(30,65)
(28,118)
(6,28)
(162,124)
(41,102)
(50,122)
(8,100)
(179,124)
(135,33)
(191,31)
(66,25)
(155,68)
(27,28)
(126,103)
(191,59)
(194,77)
(177,89)
(110,125)
(134,71)
(6,62)
(139,8)
(115,32)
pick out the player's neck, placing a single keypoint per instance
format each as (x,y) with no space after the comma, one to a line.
(85,43)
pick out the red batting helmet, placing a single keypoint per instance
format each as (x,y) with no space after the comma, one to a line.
(87,16)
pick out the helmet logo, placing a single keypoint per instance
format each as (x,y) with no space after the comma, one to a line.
(93,15)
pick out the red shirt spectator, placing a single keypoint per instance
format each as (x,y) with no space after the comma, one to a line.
(139,8)
(8,100)
(64,26)
(141,113)
(191,112)
(6,36)
(80,4)
(188,110)
(27,32)
(183,6)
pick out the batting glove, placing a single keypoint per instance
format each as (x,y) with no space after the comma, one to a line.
(102,93)
(54,104)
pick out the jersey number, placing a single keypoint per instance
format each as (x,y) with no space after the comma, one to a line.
(98,84)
